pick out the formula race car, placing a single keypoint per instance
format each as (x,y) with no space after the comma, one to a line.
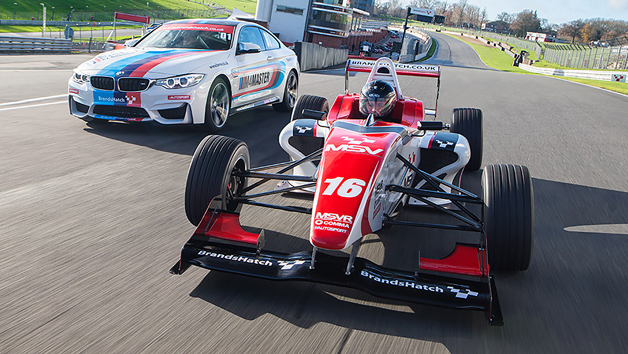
(187,72)
(367,158)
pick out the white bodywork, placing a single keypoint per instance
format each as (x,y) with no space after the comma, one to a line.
(254,78)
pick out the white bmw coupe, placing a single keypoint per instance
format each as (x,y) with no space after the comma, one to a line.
(187,72)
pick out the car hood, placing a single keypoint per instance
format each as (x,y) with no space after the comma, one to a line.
(153,63)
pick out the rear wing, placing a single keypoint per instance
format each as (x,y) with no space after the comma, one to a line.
(385,69)
(360,65)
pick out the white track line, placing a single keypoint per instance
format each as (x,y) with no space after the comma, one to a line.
(31,106)
(32,100)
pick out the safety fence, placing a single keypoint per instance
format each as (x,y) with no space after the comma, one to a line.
(106,13)
(610,58)
(577,56)
(530,46)
(25,44)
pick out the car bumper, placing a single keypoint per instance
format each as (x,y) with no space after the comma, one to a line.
(178,106)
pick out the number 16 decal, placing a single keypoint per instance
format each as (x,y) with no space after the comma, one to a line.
(351,187)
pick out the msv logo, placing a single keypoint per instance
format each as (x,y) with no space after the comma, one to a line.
(353,148)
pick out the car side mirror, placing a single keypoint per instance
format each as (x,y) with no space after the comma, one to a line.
(247,47)
(131,42)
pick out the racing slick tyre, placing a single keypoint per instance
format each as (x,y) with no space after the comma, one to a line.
(290,94)
(315,103)
(508,216)
(211,175)
(218,106)
(468,123)
(308,144)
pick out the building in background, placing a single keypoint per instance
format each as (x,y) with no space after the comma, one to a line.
(285,18)
(330,23)
(498,26)
(540,37)
(364,5)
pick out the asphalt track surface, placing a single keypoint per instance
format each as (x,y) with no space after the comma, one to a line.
(92,218)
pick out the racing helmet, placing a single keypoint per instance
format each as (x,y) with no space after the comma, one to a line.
(377,97)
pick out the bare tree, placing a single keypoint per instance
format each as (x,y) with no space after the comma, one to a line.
(572,29)
(473,14)
(506,17)
(526,21)
(462,7)
(441,7)
(483,17)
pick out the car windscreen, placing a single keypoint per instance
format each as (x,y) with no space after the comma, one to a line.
(189,36)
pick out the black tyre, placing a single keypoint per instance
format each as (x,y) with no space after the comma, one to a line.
(509,216)
(468,123)
(290,94)
(312,102)
(211,175)
(218,106)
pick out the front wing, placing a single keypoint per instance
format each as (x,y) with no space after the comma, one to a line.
(422,288)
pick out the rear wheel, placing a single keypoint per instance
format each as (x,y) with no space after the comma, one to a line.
(218,106)
(468,123)
(315,103)
(509,216)
(308,144)
(210,176)
(290,94)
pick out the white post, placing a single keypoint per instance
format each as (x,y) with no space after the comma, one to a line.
(43,30)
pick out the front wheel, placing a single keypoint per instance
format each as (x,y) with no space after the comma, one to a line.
(211,175)
(468,123)
(509,216)
(218,106)
(290,94)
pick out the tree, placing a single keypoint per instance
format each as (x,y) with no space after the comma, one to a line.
(526,21)
(591,32)
(483,17)
(506,17)
(572,29)
(462,6)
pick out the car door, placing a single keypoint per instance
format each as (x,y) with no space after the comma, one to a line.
(252,81)
(278,57)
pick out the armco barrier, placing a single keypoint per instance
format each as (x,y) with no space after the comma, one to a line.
(581,74)
(313,56)
(416,44)
(28,44)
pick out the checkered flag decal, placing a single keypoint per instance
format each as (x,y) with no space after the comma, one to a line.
(462,293)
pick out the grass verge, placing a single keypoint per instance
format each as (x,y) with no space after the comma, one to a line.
(430,51)
(17,29)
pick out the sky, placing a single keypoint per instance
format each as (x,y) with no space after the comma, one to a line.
(556,11)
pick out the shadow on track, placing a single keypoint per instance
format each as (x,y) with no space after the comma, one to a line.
(544,297)
(258,128)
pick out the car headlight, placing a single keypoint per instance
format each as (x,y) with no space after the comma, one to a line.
(79,77)
(182,81)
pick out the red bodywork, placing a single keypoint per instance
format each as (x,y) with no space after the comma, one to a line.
(407,112)
(336,216)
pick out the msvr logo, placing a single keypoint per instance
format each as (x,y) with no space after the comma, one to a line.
(334,217)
